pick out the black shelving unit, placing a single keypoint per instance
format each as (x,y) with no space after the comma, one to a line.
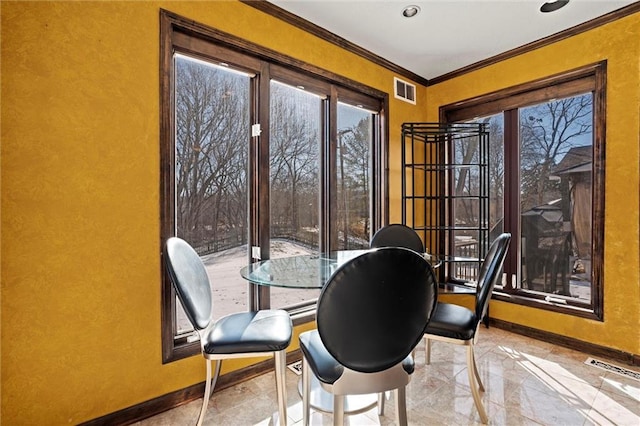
(445,196)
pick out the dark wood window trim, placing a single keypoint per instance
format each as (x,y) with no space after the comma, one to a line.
(179,34)
(590,78)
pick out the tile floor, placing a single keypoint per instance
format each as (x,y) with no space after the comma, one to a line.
(528,382)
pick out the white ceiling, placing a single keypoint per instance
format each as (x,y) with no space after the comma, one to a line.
(447,34)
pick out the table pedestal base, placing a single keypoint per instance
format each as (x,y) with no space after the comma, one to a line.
(323,401)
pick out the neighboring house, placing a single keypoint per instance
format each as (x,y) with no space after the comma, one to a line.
(575,177)
(557,235)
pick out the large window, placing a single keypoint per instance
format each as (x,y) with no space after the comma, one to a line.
(547,187)
(260,159)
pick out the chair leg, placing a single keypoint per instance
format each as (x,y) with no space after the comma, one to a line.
(381,398)
(475,370)
(216,374)
(338,410)
(306,391)
(207,393)
(281,385)
(401,406)
(427,351)
(474,388)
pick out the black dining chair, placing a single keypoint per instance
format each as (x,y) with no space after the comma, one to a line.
(397,235)
(238,335)
(459,325)
(370,315)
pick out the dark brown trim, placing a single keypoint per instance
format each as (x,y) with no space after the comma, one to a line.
(511,186)
(170,351)
(536,300)
(589,78)
(567,342)
(554,38)
(381,207)
(598,185)
(187,26)
(180,397)
(563,84)
(328,36)
(177,398)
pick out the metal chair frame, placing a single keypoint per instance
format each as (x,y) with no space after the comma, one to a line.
(196,301)
(488,276)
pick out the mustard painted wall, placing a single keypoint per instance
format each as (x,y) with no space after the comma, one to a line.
(619,44)
(80,295)
(80,300)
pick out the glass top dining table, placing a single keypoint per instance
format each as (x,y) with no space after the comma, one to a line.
(303,271)
(312,271)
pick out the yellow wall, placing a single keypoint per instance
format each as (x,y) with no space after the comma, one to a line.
(80,299)
(619,44)
(80,197)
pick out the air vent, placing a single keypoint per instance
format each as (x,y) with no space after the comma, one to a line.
(296,367)
(613,368)
(405,91)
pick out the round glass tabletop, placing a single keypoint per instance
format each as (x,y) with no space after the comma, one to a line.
(304,271)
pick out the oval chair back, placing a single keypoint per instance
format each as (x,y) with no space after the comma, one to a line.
(397,235)
(191,282)
(453,323)
(236,335)
(374,309)
(490,273)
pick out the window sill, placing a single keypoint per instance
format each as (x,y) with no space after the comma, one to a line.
(537,301)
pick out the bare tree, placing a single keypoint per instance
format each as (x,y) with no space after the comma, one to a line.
(355,154)
(547,132)
(496,170)
(211,150)
(466,151)
(294,155)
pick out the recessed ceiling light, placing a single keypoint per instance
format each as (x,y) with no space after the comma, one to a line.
(552,6)
(410,11)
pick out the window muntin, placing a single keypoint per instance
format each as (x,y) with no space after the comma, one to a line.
(577,97)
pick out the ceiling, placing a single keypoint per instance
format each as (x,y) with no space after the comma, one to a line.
(447,34)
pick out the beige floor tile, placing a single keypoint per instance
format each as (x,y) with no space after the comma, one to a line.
(527,382)
(614,409)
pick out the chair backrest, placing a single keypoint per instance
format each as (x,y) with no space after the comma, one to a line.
(490,273)
(374,309)
(397,235)
(189,278)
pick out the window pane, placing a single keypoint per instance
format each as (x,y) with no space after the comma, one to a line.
(556,151)
(295,180)
(353,177)
(212,134)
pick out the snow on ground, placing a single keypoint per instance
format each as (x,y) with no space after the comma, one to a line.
(230,290)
